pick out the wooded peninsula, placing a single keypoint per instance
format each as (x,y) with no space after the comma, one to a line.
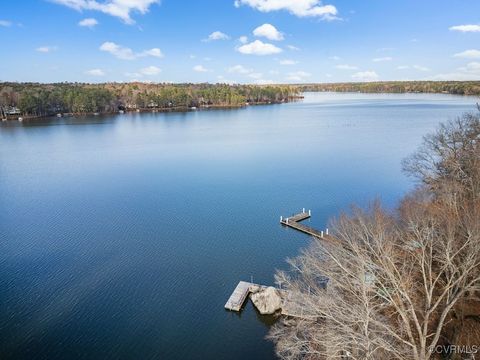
(39,100)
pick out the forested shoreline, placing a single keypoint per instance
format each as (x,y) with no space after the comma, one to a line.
(33,100)
(446,87)
(41,100)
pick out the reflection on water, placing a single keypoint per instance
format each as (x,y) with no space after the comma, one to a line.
(123,236)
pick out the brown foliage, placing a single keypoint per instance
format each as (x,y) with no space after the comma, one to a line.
(399,284)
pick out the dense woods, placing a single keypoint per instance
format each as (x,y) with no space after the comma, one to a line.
(48,99)
(402,284)
(448,87)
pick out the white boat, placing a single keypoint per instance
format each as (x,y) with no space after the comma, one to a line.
(20,119)
(193,108)
(59,115)
(121,111)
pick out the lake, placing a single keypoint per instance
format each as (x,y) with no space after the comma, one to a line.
(122,237)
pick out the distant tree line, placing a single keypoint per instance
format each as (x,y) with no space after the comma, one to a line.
(36,99)
(448,87)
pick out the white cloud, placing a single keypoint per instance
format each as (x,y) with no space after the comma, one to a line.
(420,68)
(88,22)
(5,23)
(243,39)
(118,51)
(46,49)
(403,67)
(336,58)
(468,54)
(365,76)
(258,47)
(155,52)
(293,48)
(95,72)
(381,59)
(300,8)
(200,68)
(150,70)
(217,35)
(239,69)
(125,53)
(268,31)
(288,62)
(469,72)
(118,8)
(466,28)
(298,75)
(473,68)
(346,67)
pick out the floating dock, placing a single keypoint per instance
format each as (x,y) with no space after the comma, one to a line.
(240,294)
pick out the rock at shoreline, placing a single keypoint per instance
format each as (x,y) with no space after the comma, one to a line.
(266,300)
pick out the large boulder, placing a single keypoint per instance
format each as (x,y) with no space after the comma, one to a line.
(266,300)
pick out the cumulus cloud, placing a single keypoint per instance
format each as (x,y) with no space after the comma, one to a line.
(469,72)
(382,59)
(5,23)
(46,49)
(465,28)
(88,22)
(239,69)
(258,47)
(365,76)
(118,8)
(200,68)
(298,76)
(150,70)
(217,35)
(243,39)
(468,54)
(125,53)
(288,62)
(155,52)
(118,51)
(300,8)
(268,31)
(95,72)
(346,67)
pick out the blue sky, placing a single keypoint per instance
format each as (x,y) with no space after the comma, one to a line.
(244,41)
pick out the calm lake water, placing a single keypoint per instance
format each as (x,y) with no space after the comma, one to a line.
(122,237)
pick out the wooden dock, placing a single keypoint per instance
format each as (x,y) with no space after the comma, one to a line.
(294,222)
(240,294)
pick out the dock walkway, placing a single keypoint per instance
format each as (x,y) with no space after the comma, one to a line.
(294,222)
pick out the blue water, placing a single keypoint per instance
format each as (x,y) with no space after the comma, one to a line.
(122,237)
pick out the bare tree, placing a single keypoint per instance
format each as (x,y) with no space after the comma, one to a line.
(390,283)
